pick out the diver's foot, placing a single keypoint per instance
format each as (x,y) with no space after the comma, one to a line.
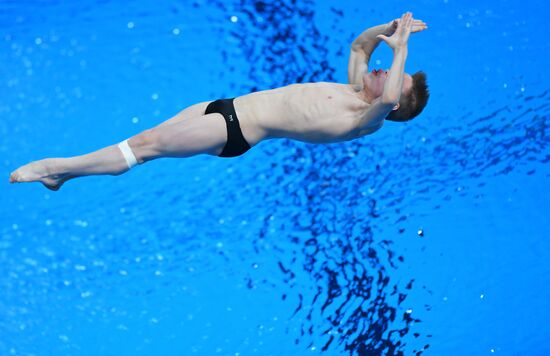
(40,171)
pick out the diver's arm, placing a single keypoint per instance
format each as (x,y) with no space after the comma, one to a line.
(382,106)
(361,51)
(398,42)
(366,43)
(394,82)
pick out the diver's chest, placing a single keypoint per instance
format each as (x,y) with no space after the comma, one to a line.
(327,105)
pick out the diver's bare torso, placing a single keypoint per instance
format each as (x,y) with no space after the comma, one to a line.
(312,112)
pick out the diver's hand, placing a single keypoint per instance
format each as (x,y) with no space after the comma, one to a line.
(400,36)
(417,26)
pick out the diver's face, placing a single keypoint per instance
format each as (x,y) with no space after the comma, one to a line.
(374,82)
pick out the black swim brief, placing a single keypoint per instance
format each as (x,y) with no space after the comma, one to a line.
(236,143)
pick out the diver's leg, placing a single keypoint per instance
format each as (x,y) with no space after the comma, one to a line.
(187,113)
(201,134)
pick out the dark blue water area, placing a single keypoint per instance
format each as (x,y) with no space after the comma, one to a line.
(428,237)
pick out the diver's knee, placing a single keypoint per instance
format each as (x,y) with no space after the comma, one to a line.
(145,138)
(145,145)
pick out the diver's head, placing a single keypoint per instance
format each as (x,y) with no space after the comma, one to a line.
(414,94)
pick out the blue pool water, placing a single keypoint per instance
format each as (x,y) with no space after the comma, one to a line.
(427,237)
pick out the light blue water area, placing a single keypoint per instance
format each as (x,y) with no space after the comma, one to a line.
(428,237)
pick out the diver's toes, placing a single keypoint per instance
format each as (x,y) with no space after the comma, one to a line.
(13,178)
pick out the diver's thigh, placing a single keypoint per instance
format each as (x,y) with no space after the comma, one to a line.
(196,135)
(189,112)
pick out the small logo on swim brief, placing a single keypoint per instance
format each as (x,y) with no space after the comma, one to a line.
(230,117)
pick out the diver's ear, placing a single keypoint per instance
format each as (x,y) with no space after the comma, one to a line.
(395,107)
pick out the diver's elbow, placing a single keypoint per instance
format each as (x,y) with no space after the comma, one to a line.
(390,99)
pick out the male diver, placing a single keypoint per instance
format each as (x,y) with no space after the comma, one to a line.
(310,112)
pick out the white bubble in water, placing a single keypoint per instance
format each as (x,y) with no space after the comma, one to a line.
(81,223)
(135,120)
(38,40)
(234,19)
(155,96)
(176,31)
(130,25)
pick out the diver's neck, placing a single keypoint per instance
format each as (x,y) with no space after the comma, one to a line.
(364,94)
